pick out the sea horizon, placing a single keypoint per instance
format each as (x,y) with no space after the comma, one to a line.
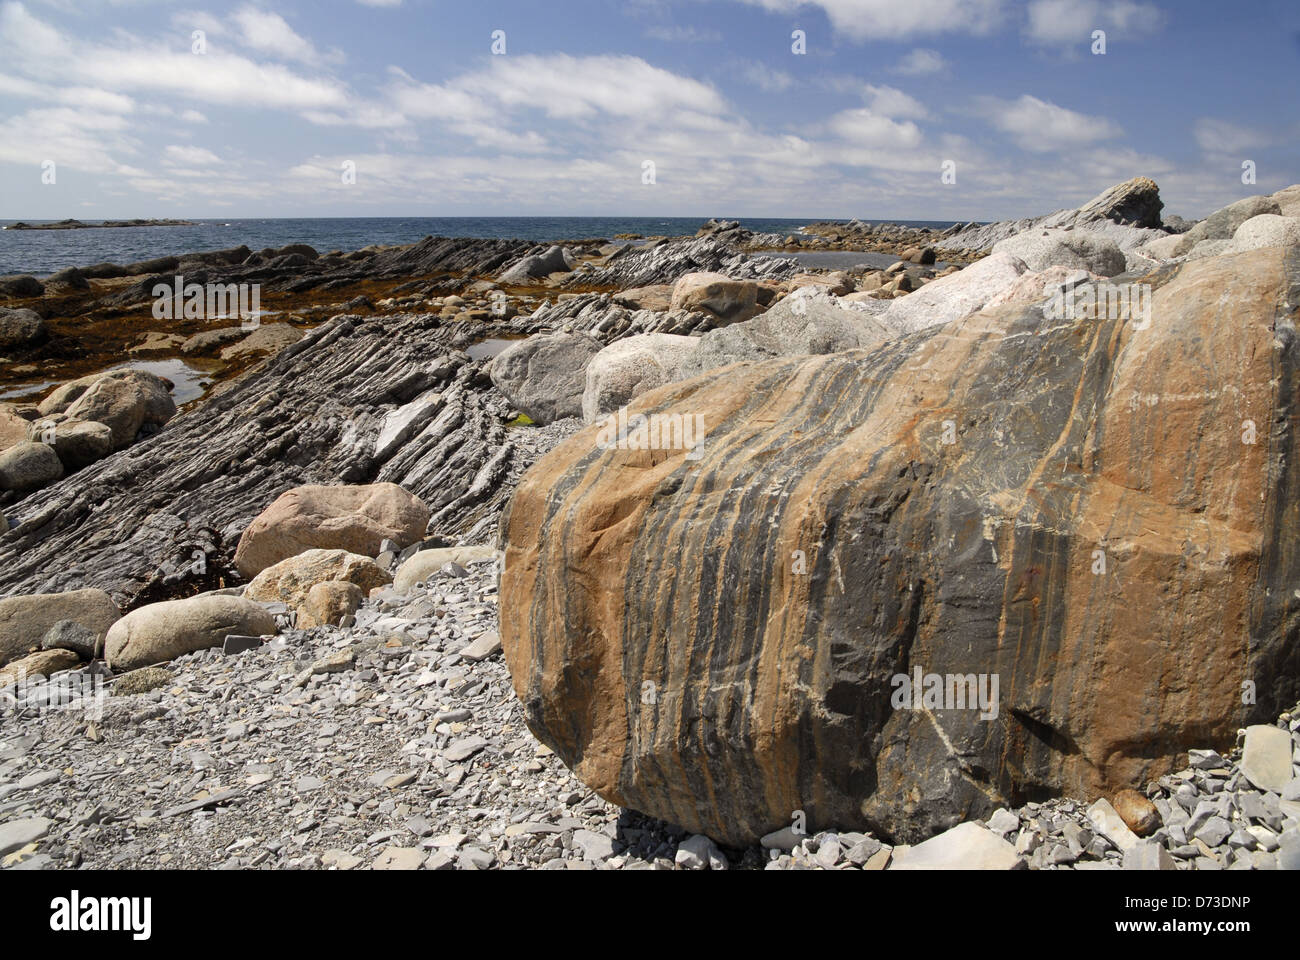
(42,252)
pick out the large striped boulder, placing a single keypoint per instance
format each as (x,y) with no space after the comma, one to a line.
(1096,514)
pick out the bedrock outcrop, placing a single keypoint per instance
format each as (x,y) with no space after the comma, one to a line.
(1100,513)
(356,401)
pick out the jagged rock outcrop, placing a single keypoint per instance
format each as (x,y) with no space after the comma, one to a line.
(297,273)
(600,315)
(163,517)
(666,261)
(1127,214)
(1134,203)
(1099,513)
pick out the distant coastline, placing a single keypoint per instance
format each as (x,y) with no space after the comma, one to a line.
(44,252)
(79,225)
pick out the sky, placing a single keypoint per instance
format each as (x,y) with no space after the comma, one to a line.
(758,108)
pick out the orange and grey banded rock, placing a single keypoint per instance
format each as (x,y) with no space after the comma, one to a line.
(1098,512)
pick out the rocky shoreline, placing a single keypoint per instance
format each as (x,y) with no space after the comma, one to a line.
(382,597)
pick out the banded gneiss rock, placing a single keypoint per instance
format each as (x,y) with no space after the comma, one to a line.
(664,644)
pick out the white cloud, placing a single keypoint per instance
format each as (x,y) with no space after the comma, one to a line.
(1062,22)
(864,127)
(767,79)
(1041,127)
(187,21)
(129,64)
(550,133)
(271,33)
(69,96)
(207,185)
(1138,17)
(189,157)
(891,102)
(214,78)
(435,101)
(561,87)
(370,116)
(921,62)
(893,20)
(1223,137)
(38,40)
(884,100)
(1067,23)
(81,139)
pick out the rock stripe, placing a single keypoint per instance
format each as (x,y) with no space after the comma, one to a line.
(966,558)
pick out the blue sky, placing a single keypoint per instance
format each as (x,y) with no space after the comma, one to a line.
(711,92)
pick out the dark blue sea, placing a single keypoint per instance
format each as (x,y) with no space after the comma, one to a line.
(42,252)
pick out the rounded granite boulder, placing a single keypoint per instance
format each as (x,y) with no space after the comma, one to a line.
(29,466)
(357,519)
(162,631)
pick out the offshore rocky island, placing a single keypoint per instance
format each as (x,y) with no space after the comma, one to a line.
(72,224)
(670,554)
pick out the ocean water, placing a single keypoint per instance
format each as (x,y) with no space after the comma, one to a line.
(42,252)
